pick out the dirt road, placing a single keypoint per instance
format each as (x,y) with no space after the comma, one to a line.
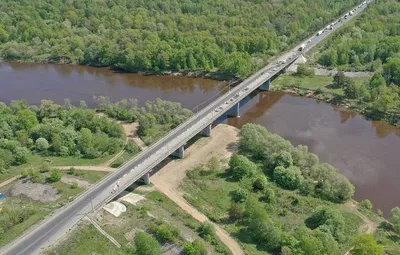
(221,144)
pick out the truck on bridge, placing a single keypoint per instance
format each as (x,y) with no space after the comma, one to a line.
(302,47)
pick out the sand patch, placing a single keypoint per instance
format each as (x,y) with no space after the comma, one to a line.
(115,208)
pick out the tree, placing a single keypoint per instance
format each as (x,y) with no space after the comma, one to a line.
(239,195)
(55,175)
(197,247)
(339,80)
(265,233)
(213,164)
(241,167)
(366,245)
(41,144)
(27,119)
(377,81)
(303,70)
(366,204)
(284,159)
(132,147)
(327,220)
(289,178)
(166,232)
(85,140)
(395,218)
(350,88)
(20,155)
(236,211)
(391,71)
(260,183)
(206,231)
(145,244)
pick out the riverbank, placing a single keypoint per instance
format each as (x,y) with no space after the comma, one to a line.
(320,87)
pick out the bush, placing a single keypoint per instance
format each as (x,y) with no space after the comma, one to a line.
(236,211)
(145,244)
(206,231)
(166,232)
(265,233)
(118,162)
(239,195)
(241,167)
(269,195)
(260,183)
(35,176)
(302,71)
(395,218)
(44,168)
(41,144)
(132,147)
(74,185)
(71,171)
(55,175)
(288,178)
(366,204)
(195,248)
(284,159)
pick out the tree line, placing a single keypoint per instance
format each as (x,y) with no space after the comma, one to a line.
(231,36)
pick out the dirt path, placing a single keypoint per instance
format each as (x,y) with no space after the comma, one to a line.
(369,226)
(221,144)
(10,180)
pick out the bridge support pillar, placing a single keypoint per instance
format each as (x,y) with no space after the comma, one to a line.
(146,178)
(265,86)
(234,111)
(180,152)
(207,131)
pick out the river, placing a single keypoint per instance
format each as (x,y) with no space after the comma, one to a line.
(364,151)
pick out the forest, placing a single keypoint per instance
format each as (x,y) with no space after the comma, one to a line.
(371,43)
(78,132)
(233,36)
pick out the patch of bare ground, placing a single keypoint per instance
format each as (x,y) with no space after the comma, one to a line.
(221,144)
(35,191)
(87,168)
(71,180)
(131,133)
(369,226)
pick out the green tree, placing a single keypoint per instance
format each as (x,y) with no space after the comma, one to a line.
(366,204)
(284,159)
(395,218)
(20,155)
(260,183)
(391,71)
(239,195)
(265,233)
(41,144)
(241,167)
(166,232)
(197,247)
(366,245)
(145,244)
(27,119)
(213,164)
(289,178)
(236,211)
(55,175)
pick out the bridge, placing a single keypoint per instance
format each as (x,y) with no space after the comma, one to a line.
(65,218)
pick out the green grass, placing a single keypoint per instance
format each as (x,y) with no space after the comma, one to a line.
(90,176)
(210,195)
(312,83)
(86,239)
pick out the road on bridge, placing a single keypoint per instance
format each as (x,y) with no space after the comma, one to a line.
(63,219)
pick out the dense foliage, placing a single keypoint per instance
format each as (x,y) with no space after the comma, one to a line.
(368,44)
(52,129)
(293,167)
(233,36)
(155,119)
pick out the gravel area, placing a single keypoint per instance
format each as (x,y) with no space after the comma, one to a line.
(35,191)
(72,180)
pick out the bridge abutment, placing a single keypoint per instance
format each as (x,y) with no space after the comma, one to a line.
(146,178)
(180,152)
(265,85)
(234,111)
(207,131)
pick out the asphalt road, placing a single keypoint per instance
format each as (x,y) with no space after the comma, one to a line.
(62,220)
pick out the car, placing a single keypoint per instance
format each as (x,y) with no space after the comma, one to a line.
(308,41)
(247,88)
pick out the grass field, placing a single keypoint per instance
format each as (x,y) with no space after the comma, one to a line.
(210,194)
(156,208)
(312,83)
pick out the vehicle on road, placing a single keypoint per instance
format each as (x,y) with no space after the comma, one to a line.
(302,47)
(319,33)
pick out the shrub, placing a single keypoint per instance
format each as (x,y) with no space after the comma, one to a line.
(132,147)
(71,171)
(41,144)
(206,231)
(118,162)
(236,211)
(145,244)
(288,178)
(166,232)
(55,175)
(269,195)
(74,185)
(242,167)
(197,247)
(239,195)
(260,183)
(44,168)
(366,204)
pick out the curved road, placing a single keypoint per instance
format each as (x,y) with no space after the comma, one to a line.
(62,220)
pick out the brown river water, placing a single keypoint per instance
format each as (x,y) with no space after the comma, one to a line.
(365,151)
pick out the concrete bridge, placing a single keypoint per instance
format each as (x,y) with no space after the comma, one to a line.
(63,219)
